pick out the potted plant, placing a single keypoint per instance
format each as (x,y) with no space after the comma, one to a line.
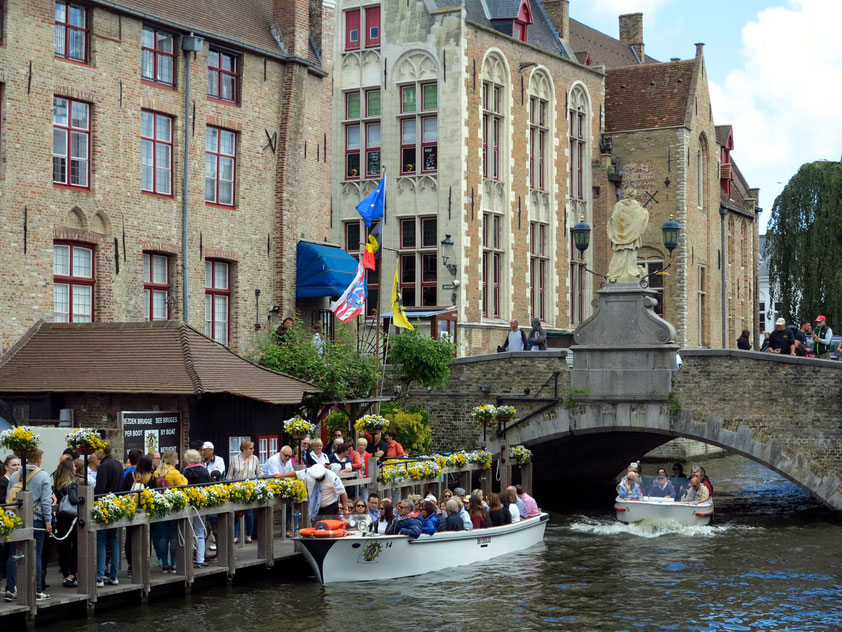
(371,424)
(505,413)
(85,441)
(298,427)
(484,413)
(521,454)
(22,441)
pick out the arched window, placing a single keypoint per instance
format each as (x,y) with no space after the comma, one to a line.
(495,78)
(495,231)
(578,192)
(542,220)
(701,158)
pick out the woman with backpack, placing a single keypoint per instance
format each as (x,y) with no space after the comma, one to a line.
(65,488)
(197,474)
(166,544)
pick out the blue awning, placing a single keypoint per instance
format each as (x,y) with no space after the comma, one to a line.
(323,270)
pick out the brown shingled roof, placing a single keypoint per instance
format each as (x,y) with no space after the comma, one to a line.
(723,132)
(647,96)
(162,357)
(603,49)
(245,23)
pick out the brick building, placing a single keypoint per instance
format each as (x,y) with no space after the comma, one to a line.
(660,137)
(486,124)
(92,155)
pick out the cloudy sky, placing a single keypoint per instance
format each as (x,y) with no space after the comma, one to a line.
(774,69)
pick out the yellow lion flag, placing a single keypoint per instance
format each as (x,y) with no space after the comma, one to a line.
(398,316)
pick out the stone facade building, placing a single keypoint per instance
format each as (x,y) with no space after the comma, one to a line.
(660,138)
(92,153)
(486,125)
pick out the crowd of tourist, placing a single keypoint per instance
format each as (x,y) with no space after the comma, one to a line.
(56,498)
(457,511)
(805,340)
(695,489)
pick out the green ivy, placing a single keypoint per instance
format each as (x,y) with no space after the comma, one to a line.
(412,425)
(336,420)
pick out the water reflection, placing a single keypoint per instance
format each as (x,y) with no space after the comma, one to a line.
(771,560)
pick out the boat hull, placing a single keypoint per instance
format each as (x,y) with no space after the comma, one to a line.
(663,509)
(366,558)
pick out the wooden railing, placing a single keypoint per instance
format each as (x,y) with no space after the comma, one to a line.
(87,528)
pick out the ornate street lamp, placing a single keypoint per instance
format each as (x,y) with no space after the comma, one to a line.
(669,231)
(581,236)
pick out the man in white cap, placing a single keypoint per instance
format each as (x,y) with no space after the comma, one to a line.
(327,493)
(214,464)
(782,340)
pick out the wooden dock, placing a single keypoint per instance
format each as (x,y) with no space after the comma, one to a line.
(271,548)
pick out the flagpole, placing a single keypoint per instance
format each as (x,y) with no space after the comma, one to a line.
(380,292)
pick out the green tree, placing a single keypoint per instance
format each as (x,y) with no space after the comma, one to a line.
(412,425)
(804,244)
(338,368)
(418,358)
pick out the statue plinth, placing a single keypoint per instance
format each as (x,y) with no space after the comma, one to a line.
(625,351)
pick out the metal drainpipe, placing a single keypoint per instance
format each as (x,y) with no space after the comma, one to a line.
(722,213)
(189,44)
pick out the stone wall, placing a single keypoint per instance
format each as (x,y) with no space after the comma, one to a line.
(783,412)
(795,401)
(513,378)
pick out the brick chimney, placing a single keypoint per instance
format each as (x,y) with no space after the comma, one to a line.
(631,32)
(293,20)
(559,13)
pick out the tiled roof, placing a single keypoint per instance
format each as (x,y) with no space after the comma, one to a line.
(603,49)
(541,33)
(503,9)
(648,95)
(247,23)
(162,357)
(722,133)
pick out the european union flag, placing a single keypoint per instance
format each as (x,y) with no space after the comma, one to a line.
(371,208)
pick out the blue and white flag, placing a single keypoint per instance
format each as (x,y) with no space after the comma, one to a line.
(352,302)
(372,206)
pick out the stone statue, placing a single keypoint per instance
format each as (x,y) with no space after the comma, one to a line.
(625,230)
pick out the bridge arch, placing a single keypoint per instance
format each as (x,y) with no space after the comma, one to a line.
(589,432)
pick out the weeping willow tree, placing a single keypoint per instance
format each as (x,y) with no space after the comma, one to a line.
(804,245)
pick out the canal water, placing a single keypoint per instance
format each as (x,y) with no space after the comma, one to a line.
(770,560)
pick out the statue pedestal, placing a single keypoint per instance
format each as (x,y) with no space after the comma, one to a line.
(624,352)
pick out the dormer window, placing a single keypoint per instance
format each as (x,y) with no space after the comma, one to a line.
(522,22)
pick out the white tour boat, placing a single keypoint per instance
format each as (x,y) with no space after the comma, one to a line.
(653,508)
(361,556)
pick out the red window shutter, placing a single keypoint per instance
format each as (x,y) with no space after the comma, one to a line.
(372,27)
(352,29)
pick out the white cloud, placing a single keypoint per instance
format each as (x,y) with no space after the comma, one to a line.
(617,7)
(784,101)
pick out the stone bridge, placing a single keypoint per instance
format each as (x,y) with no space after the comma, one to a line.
(783,412)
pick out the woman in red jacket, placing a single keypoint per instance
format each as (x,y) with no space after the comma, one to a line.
(395,448)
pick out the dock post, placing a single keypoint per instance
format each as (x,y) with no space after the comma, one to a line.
(526,477)
(225,541)
(25,555)
(265,533)
(505,466)
(141,562)
(86,544)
